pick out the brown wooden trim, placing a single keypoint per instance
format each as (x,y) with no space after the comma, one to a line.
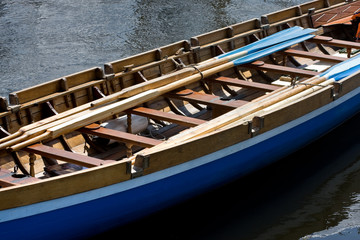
(245,84)
(259,65)
(170,117)
(207,99)
(312,55)
(334,14)
(334,42)
(129,138)
(63,155)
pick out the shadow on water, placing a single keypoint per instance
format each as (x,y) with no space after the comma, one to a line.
(309,191)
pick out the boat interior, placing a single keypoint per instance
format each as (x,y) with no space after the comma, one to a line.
(125,133)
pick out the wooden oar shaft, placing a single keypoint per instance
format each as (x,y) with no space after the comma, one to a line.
(12,136)
(231,117)
(76,121)
(127,92)
(273,107)
(30,141)
(111,109)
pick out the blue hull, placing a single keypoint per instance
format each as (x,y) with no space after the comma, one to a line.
(99,210)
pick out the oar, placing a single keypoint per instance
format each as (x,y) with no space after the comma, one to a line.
(66,125)
(275,38)
(334,73)
(271,40)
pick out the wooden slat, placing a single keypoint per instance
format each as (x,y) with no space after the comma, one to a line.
(245,84)
(281,69)
(63,155)
(334,42)
(95,129)
(207,99)
(170,117)
(332,15)
(312,55)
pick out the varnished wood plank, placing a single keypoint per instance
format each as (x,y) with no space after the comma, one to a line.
(130,138)
(207,99)
(170,117)
(63,155)
(312,55)
(332,15)
(259,65)
(334,42)
(246,84)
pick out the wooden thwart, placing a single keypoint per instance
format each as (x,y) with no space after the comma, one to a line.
(66,156)
(259,65)
(95,129)
(304,54)
(207,99)
(334,42)
(245,84)
(165,116)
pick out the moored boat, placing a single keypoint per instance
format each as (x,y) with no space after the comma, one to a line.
(100,148)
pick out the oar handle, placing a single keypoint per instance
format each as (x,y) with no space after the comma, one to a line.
(10,137)
(14,141)
(31,141)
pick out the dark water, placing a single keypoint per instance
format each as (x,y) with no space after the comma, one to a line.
(313,193)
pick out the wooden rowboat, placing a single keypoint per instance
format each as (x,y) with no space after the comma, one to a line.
(105,146)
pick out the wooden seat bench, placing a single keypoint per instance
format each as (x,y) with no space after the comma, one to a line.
(129,138)
(206,99)
(67,156)
(260,65)
(311,55)
(165,116)
(334,42)
(245,84)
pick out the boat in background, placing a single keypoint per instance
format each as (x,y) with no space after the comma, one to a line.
(90,151)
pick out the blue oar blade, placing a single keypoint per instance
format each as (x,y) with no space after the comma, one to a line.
(346,73)
(271,40)
(341,68)
(262,43)
(267,51)
(283,37)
